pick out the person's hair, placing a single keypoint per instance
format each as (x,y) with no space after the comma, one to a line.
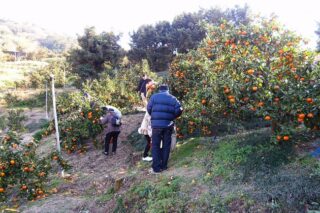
(163,87)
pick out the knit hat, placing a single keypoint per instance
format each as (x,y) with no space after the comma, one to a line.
(163,87)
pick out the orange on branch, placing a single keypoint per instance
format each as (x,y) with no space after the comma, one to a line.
(286,138)
(267,118)
(310,115)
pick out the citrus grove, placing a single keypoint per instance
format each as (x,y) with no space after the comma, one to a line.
(22,173)
(239,71)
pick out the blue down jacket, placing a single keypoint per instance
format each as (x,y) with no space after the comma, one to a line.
(163,108)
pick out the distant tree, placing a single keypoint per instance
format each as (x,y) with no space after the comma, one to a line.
(153,43)
(318,34)
(94,53)
(157,43)
(187,32)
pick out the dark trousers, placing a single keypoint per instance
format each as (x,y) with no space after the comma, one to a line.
(148,146)
(160,156)
(111,136)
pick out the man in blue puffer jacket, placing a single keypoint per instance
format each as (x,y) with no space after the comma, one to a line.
(164,108)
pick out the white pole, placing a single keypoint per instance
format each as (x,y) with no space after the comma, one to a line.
(47,116)
(64,76)
(55,118)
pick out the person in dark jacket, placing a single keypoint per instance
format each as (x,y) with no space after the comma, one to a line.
(164,108)
(141,81)
(112,131)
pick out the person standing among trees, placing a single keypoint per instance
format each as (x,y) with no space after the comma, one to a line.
(113,123)
(141,82)
(164,108)
(145,129)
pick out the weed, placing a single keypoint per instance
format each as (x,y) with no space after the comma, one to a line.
(185,152)
(15,119)
(136,140)
(108,195)
(36,125)
(120,208)
(162,196)
(3,122)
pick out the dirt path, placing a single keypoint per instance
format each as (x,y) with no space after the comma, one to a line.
(92,175)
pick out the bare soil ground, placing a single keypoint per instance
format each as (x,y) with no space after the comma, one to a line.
(92,174)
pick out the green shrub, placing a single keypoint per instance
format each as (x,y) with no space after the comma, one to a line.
(16,119)
(3,122)
(159,196)
(10,99)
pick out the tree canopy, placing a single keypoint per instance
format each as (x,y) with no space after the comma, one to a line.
(95,52)
(157,43)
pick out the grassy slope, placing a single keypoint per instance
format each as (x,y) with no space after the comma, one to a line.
(243,172)
(15,71)
(238,173)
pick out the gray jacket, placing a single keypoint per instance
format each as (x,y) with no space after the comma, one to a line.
(106,120)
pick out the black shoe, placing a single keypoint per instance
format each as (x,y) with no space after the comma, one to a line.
(105,153)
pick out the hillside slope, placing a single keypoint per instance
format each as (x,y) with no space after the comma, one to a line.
(26,37)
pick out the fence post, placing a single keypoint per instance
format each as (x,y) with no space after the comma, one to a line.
(47,116)
(55,118)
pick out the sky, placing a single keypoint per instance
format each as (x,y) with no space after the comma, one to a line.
(70,17)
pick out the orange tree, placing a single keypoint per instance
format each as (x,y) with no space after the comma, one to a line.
(78,121)
(21,171)
(79,116)
(255,69)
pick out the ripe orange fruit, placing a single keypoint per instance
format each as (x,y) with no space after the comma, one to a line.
(2,190)
(310,115)
(276,99)
(24,187)
(2,174)
(260,104)
(267,118)
(278,138)
(250,71)
(232,100)
(246,80)
(26,169)
(222,26)
(55,157)
(233,59)
(14,145)
(286,138)
(254,88)
(230,96)
(39,192)
(246,99)
(203,101)
(42,174)
(12,162)
(301,116)
(309,100)
(253,109)
(302,79)
(227,90)
(300,120)
(243,33)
